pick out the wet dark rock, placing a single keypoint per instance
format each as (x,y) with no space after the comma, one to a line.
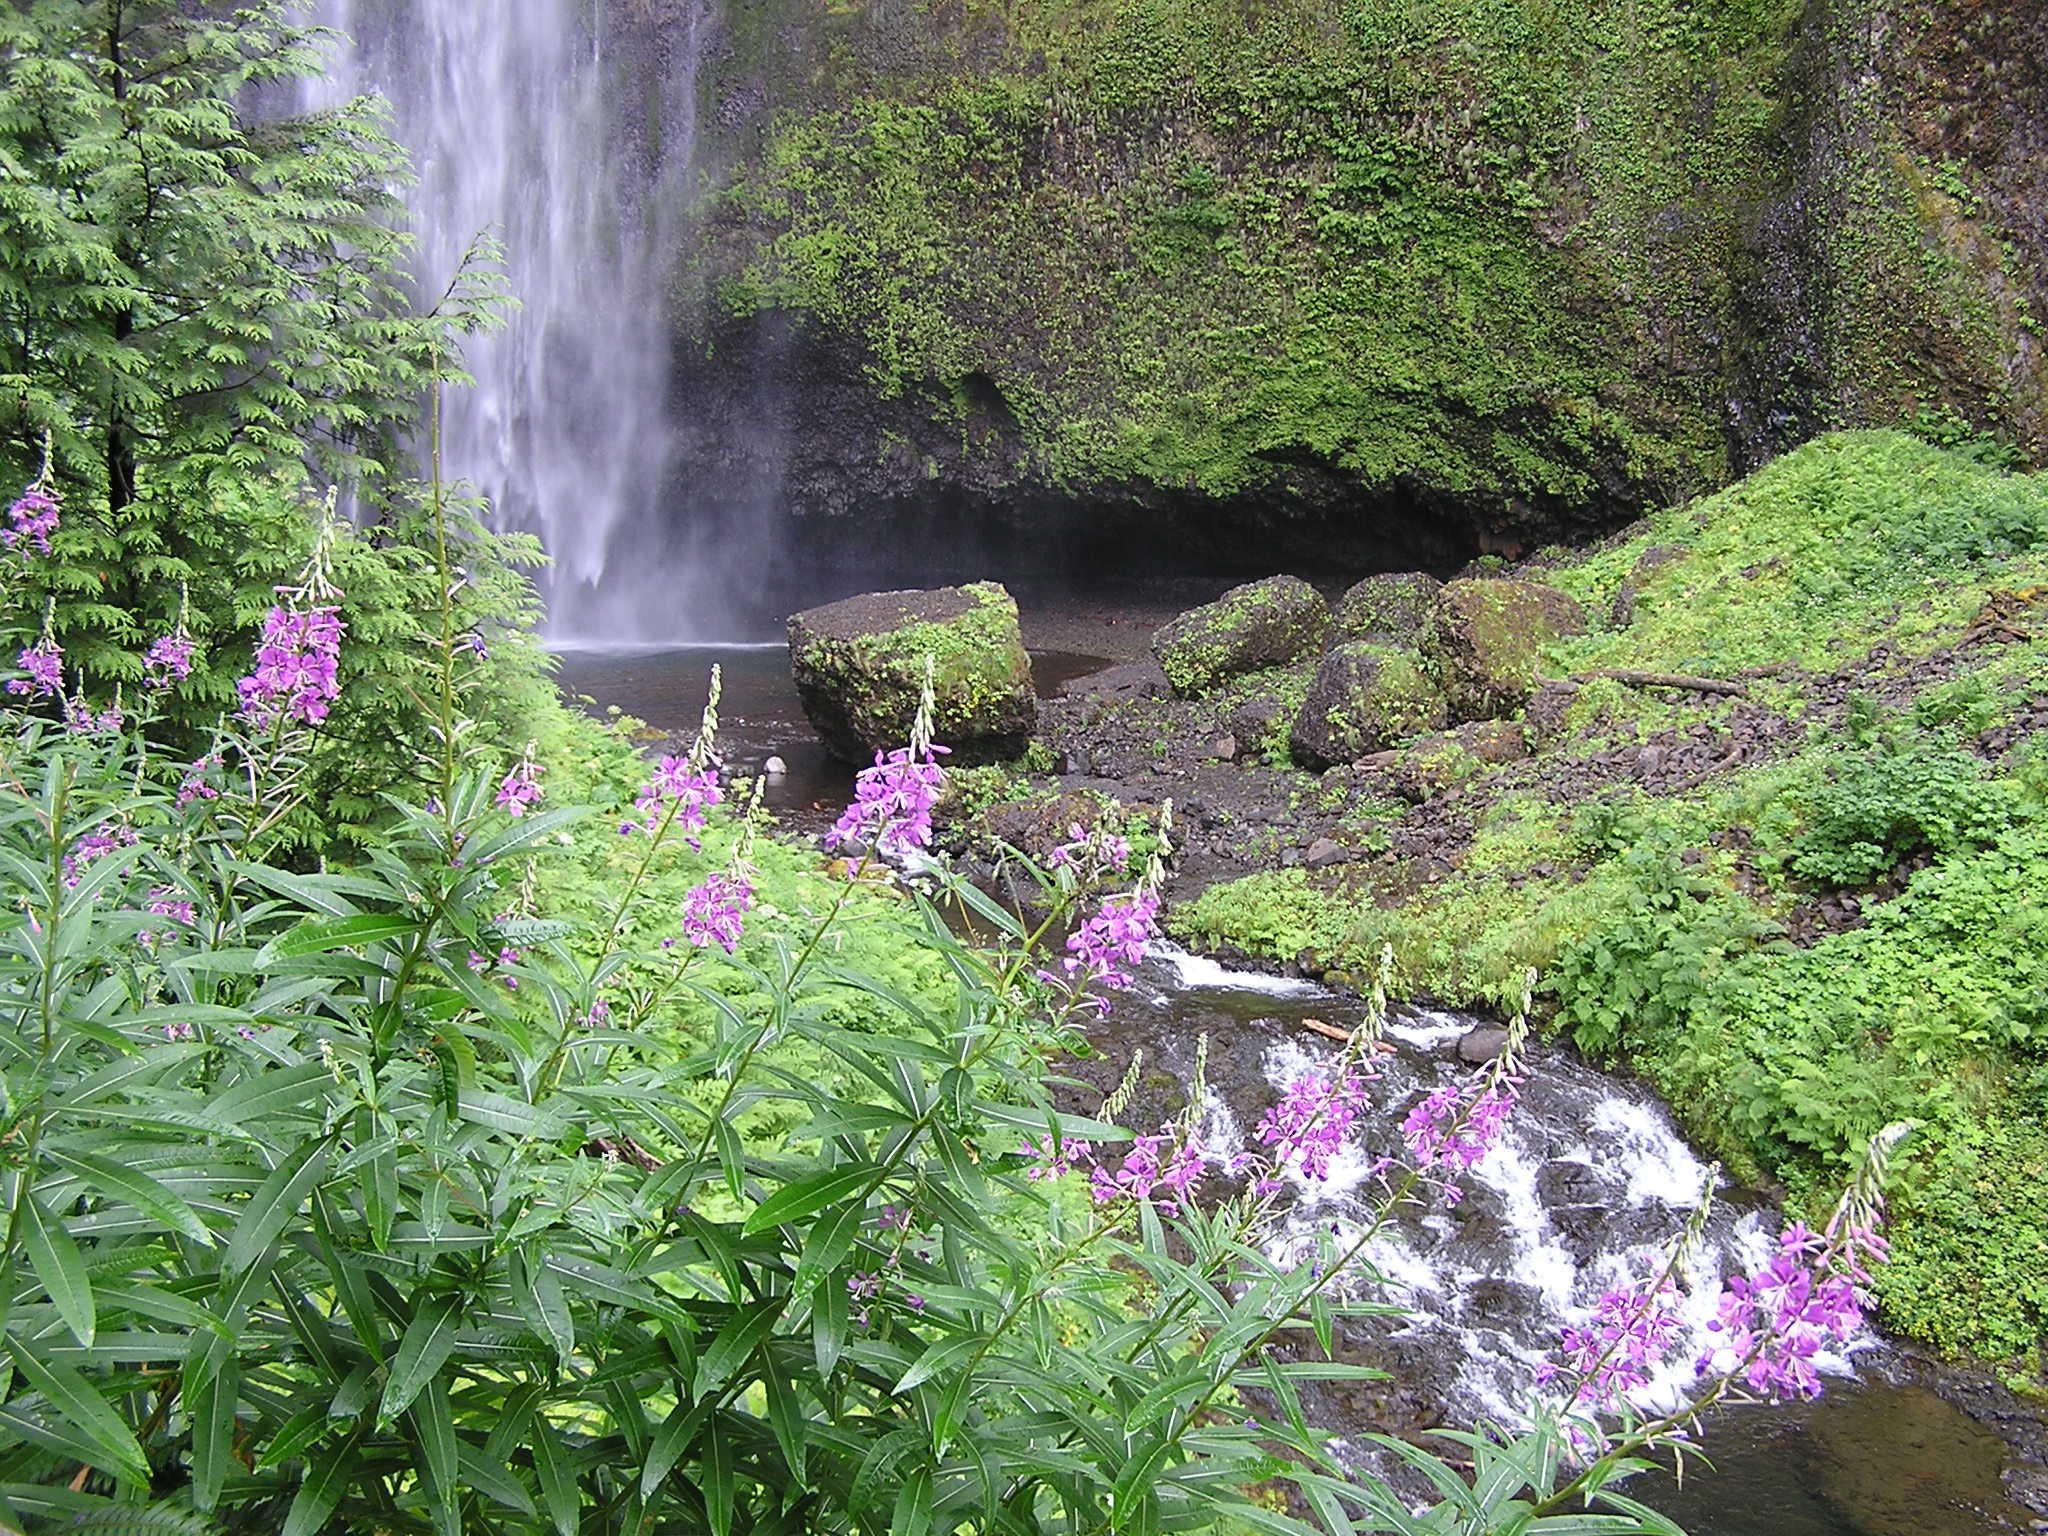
(1365,698)
(1482,1045)
(1260,624)
(859,664)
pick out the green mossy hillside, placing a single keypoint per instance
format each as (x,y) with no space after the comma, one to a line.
(1512,257)
(1804,909)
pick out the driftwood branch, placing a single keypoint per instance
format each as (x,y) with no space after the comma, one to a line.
(1673,680)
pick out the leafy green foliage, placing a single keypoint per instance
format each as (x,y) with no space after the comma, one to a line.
(1882,807)
(1641,971)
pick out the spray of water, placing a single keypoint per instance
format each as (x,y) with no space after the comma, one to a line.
(571,135)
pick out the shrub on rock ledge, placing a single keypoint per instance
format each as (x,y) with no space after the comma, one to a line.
(1259,624)
(859,662)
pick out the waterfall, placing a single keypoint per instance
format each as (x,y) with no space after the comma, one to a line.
(570,136)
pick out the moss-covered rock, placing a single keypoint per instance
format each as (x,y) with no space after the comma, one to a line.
(1260,624)
(1388,607)
(859,664)
(1433,764)
(1484,640)
(1365,698)
(1359,277)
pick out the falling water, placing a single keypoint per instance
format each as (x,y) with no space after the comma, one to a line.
(569,135)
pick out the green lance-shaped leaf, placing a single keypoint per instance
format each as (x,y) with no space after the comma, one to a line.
(318,935)
(795,1201)
(742,1333)
(429,1340)
(112,1445)
(276,1201)
(61,1267)
(137,1189)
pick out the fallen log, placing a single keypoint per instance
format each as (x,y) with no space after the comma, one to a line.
(1682,680)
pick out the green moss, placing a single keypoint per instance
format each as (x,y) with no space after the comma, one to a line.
(1657,921)
(1476,248)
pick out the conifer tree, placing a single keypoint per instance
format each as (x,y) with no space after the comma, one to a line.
(202,287)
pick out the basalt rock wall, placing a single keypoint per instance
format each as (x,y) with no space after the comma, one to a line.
(1268,282)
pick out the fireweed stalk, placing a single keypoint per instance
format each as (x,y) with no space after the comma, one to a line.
(1771,1326)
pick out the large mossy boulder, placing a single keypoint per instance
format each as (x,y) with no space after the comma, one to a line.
(1260,624)
(1390,607)
(1484,640)
(1365,699)
(859,663)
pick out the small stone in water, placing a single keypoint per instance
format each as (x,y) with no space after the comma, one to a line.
(1482,1045)
(775,768)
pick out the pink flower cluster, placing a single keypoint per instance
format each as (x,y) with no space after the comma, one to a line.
(521,789)
(713,910)
(44,664)
(164,901)
(31,521)
(1056,1161)
(1631,1329)
(892,802)
(1091,854)
(80,720)
(1772,1325)
(295,677)
(93,846)
(691,790)
(1165,1167)
(1154,1163)
(194,786)
(168,660)
(1309,1125)
(1115,937)
(1456,1126)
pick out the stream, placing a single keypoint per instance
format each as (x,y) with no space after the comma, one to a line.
(1584,1192)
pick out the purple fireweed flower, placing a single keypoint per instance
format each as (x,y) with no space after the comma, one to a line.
(1772,1325)
(1153,1164)
(1631,1329)
(168,660)
(31,521)
(194,786)
(44,664)
(1055,1162)
(1091,854)
(1456,1125)
(164,902)
(712,911)
(521,788)
(1307,1128)
(295,677)
(80,720)
(93,846)
(1112,939)
(892,802)
(690,789)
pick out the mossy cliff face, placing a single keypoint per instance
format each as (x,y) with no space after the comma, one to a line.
(1357,281)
